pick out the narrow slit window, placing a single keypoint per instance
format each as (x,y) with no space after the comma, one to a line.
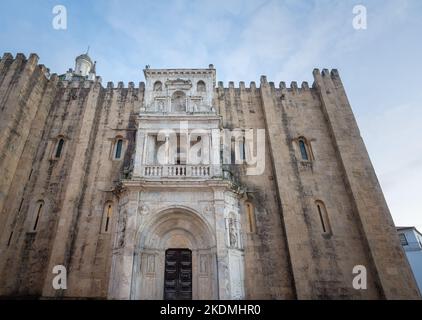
(119,146)
(39,209)
(108,212)
(59,148)
(10,238)
(303,150)
(323,217)
(108,217)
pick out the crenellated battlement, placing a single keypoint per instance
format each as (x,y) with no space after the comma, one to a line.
(231,86)
(332,76)
(110,86)
(20,61)
(294,87)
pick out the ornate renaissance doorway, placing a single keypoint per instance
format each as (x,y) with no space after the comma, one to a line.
(178,274)
(175,257)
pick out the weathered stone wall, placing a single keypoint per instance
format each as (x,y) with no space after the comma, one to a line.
(287,257)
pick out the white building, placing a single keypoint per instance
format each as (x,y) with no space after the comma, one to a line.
(411,240)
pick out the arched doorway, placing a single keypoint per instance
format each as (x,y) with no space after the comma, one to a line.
(176,231)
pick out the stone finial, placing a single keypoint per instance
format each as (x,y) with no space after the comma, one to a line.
(252,85)
(293,85)
(220,85)
(110,85)
(142,86)
(231,85)
(131,85)
(120,85)
(242,85)
(305,85)
(282,85)
(325,72)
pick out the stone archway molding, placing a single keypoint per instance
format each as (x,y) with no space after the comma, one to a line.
(174,227)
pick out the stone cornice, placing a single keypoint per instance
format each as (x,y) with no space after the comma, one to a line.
(138,183)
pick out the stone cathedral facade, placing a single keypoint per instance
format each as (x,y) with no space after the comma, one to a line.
(181,188)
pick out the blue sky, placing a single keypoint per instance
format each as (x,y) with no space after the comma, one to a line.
(285,40)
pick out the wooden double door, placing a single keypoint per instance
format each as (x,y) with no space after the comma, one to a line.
(178,274)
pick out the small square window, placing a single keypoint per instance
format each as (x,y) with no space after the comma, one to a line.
(403,239)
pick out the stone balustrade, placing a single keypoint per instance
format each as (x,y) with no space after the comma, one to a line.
(195,171)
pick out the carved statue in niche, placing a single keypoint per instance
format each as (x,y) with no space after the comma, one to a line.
(178,102)
(200,87)
(160,104)
(203,262)
(150,263)
(158,86)
(232,233)
(195,107)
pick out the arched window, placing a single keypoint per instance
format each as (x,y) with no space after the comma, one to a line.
(323,217)
(305,149)
(108,212)
(158,86)
(39,208)
(178,102)
(200,86)
(118,149)
(250,210)
(59,148)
